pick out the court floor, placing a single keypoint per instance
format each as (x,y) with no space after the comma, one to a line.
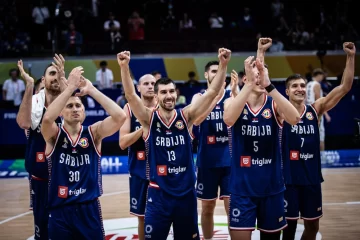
(341,198)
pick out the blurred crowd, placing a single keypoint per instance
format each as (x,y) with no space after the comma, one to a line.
(39,27)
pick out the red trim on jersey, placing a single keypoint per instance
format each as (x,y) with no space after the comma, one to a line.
(186,123)
(255,113)
(151,120)
(171,121)
(68,135)
(129,110)
(93,141)
(53,148)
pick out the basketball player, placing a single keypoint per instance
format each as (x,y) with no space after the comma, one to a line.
(213,156)
(168,137)
(314,92)
(257,186)
(130,136)
(301,152)
(73,154)
(29,117)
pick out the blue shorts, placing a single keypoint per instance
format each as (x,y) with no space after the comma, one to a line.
(209,180)
(268,211)
(39,190)
(76,221)
(163,209)
(138,191)
(304,199)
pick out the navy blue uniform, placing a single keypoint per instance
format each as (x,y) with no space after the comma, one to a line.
(257,184)
(302,167)
(171,194)
(138,171)
(74,187)
(213,157)
(37,166)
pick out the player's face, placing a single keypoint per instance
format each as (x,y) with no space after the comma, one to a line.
(297,90)
(167,96)
(51,81)
(258,88)
(146,87)
(211,73)
(74,110)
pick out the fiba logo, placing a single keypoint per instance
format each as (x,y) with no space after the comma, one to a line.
(236,212)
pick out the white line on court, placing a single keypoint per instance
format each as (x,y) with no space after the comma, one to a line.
(121,192)
(26,213)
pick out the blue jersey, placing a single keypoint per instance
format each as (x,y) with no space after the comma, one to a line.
(213,150)
(137,156)
(301,150)
(35,160)
(256,167)
(74,169)
(170,157)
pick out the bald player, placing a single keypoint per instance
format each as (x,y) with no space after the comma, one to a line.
(130,137)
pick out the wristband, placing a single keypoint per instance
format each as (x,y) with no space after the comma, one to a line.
(270,88)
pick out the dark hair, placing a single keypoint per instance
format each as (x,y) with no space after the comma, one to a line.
(293,77)
(317,71)
(82,98)
(191,74)
(163,81)
(37,83)
(14,70)
(209,64)
(50,65)
(103,64)
(155,72)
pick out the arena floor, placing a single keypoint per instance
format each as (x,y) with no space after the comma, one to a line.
(341,198)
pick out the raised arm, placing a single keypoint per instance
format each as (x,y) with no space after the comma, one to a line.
(234,106)
(263,45)
(59,64)
(195,109)
(23,117)
(141,112)
(285,110)
(203,116)
(109,125)
(127,138)
(48,126)
(326,103)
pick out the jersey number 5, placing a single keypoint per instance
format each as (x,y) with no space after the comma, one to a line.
(256,148)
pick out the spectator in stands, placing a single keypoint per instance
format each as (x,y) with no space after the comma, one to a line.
(136,26)
(121,100)
(74,41)
(116,23)
(156,74)
(13,89)
(104,76)
(277,45)
(180,100)
(192,80)
(114,39)
(246,23)
(186,23)
(40,14)
(216,21)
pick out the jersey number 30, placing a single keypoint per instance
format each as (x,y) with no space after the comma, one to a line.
(74,176)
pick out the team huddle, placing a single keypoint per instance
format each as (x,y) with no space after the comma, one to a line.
(258,151)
